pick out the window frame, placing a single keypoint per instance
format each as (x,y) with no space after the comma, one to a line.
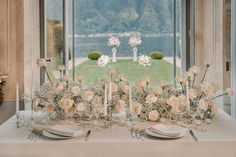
(185,57)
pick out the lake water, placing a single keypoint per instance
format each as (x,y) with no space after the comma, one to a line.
(165,44)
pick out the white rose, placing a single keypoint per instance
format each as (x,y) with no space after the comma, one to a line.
(75,90)
(153,115)
(66,103)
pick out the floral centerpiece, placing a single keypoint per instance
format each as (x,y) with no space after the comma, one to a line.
(113,42)
(135,41)
(190,105)
(144,60)
(3,80)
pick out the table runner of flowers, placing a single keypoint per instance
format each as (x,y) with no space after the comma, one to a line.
(191,104)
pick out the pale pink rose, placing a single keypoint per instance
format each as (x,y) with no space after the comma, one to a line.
(58,86)
(153,115)
(151,98)
(180,79)
(189,76)
(36,102)
(112,72)
(80,78)
(88,96)
(210,103)
(195,70)
(97,100)
(136,108)
(69,111)
(75,90)
(114,87)
(41,62)
(162,101)
(203,105)
(66,103)
(182,104)
(66,78)
(50,95)
(98,105)
(192,93)
(125,89)
(163,83)
(229,92)
(80,107)
(214,110)
(172,101)
(49,107)
(142,83)
(157,91)
(207,89)
(60,67)
(120,106)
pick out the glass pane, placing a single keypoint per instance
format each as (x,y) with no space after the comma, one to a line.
(153,21)
(54,35)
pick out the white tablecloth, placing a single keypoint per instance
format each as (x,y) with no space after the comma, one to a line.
(218,140)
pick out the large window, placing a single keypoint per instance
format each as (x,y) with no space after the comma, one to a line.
(89,23)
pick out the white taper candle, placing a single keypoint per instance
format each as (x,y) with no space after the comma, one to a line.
(110,89)
(17,98)
(105,101)
(187,92)
(130,99)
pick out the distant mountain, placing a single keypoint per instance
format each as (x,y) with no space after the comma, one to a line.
(106,16)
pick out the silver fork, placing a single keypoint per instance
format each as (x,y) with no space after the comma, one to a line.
(34,134)
(142,133)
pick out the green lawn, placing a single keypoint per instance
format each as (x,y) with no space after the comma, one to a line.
(159,70)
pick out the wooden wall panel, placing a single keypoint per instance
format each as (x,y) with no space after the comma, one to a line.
(11,44)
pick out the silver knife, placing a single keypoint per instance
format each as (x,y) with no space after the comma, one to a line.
(193,135)
(87,135)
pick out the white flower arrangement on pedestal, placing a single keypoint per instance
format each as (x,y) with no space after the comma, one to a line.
(103,61)
(135,41)
(113,42)
(144,60)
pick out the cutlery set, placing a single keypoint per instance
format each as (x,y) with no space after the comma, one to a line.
(34,134)
(137,133)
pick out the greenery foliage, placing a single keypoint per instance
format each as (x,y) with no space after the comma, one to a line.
(94,55)
(156,55)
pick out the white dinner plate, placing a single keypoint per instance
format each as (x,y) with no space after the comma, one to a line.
(151,133)
(54,136)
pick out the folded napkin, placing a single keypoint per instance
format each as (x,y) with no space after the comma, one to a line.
(168,130)
(65,130)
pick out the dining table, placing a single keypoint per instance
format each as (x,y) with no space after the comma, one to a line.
(216,139)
